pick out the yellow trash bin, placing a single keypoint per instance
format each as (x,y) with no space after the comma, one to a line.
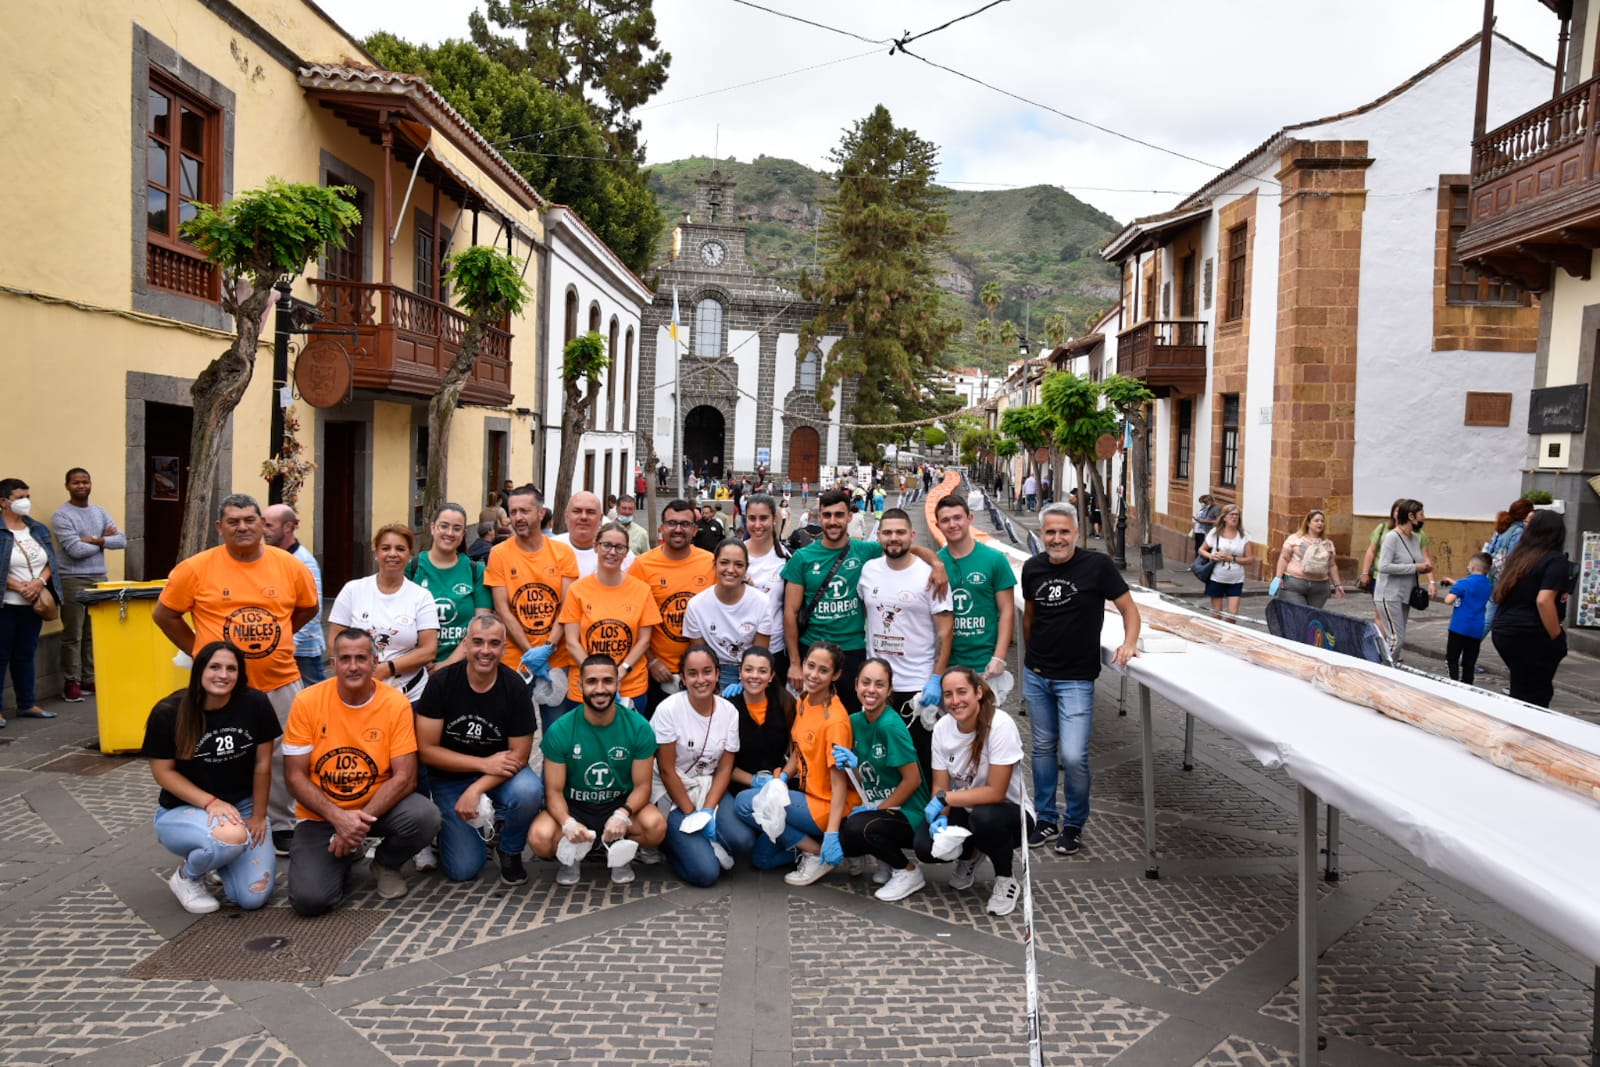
(133,660)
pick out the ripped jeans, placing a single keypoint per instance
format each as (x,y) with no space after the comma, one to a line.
(247,871)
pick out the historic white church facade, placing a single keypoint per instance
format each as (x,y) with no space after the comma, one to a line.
(734,392)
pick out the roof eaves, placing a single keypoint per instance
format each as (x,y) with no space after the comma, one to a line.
(564,212)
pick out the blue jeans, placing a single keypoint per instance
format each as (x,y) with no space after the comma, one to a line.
(739,834)
(247,871)
(19,643)
(691,856)
(311,669)
(1060,742)
(799,824)
(516,801)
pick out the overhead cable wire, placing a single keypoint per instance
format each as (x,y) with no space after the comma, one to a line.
(907,39)
(817,25)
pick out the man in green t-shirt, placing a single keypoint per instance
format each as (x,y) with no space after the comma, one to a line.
(837,615)
(597,775)
(981,583)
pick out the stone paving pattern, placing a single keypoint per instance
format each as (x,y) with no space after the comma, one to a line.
(1196,969)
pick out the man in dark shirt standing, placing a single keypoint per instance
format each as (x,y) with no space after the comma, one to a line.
(1065,590)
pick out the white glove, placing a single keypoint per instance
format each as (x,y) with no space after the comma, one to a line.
(573,830)
(617,826)
(183,661)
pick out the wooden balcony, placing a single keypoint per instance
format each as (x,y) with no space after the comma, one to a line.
(407,342)
(1168,355)
(1535,196)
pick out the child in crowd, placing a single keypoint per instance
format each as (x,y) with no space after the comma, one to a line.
(1470,597)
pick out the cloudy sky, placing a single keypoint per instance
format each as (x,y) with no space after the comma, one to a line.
(1209,79)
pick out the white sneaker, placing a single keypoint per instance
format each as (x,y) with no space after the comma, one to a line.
(882,875)
(902,884)
(810,869)
(647,856)
(855,866)
(191,894)
(1003,901)
(622,875)
(567,874)
(427,860)
(965,873)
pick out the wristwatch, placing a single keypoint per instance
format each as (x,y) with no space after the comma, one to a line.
(939,796)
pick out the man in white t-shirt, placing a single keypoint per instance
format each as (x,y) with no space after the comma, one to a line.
(584,517)
(909,625)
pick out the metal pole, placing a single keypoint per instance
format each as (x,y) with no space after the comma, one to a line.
(1188,742)
(1308,928)
(282,325)
(1147,758)
(1330,873)
(1122,516)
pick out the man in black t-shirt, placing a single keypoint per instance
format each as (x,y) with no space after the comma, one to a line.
(475,734)
(1065,590)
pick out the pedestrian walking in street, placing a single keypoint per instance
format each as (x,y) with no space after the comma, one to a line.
(1469,597)
(1230,549)
(1205,519)
(1308,570)
(1532,600)
(1030,492)
(1402,569)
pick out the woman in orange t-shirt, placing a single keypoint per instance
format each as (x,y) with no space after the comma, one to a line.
(610,613)
(823,792)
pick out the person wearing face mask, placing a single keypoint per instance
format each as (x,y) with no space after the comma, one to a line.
(627,518)
(1401,566)
(28,560)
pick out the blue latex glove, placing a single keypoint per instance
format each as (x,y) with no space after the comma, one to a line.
(941,823)
(859,808)
(1274,586)
(758,782)
(933,810)
(537,659)
(844,758)
(711,827)
(783,776)
(933,690)
(734,690)
(832,850)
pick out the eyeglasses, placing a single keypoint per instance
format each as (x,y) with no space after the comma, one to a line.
(677,524)
(607,546)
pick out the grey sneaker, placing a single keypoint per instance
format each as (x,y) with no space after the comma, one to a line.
(1003,901)
(622,875)
(882,875)
(391,883)
(567,874)
(965,873)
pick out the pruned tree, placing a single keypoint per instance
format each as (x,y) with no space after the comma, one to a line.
(1129,398)
(254,240)
(1032,427)
(1080,419)
(581,363)
(488,286)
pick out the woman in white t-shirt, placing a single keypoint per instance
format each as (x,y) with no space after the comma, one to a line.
(977,783)
(732,615)
(697,733)
(763,539)
(1228,546)
(399,613)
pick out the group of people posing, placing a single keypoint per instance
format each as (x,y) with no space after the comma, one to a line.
(683,701)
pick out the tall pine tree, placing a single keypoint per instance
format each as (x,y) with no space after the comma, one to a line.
(879,236)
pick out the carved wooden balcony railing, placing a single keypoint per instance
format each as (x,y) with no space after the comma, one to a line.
(1166,354)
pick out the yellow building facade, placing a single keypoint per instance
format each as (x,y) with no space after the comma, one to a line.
(122,110)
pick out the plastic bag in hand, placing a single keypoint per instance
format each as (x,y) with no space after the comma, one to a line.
(570,852)
(620,852)
(771,808)
(550,687)
(1002,684)
(948,842)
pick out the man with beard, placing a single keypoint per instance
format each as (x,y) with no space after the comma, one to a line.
(279,525)
(675,570)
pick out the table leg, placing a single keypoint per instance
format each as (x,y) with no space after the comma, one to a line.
(1148,761)
(1122,695)
(1330,873)
(1188,742)
(1308,929)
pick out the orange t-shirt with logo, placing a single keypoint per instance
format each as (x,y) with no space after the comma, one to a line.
(608,618)
(351,748)
(250,605)
(532,581)
(817,728)
(672,583)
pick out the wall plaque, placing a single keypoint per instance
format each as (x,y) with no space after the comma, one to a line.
(1558,409)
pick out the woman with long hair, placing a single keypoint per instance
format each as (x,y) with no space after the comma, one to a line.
(1308,566)
(1401,567)
(977,784)
(766,716)
(1509,526)
(732,615)
(1532,596)
(763,533)
(210,751)
(698,736)
(894,797)
(1232,552)
(455,581)
(399,614)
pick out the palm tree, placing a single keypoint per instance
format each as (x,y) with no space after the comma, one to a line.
(1055,329)
(991,296)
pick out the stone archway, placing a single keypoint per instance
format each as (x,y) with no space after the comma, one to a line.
(704,436)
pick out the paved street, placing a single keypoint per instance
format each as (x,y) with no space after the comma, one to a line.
(1194,969)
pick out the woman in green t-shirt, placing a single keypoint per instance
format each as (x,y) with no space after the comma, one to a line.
(884,759)
(454,581)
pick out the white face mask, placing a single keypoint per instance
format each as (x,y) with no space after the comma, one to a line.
(626,520)
(23,507)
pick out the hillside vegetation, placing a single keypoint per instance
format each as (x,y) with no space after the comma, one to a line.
(1040,243)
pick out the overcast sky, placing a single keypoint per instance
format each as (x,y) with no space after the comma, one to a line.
(1210,79)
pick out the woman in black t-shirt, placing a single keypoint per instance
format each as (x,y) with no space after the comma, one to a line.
(1530,599)
(210,750)
(766,712)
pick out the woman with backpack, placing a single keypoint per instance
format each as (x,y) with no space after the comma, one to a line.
(1308,570)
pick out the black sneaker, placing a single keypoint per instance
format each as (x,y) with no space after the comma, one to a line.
(281,839)
(1042,834)
(1069,842)
(512,872)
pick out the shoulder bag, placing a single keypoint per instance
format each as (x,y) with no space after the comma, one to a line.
(1419,599)
(45,605)
(804,618)
(1202,567)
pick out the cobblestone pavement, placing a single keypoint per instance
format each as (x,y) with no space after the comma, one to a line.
(1197,968)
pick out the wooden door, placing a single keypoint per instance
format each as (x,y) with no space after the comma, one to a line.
(342,445)
(805,455)
(166,484)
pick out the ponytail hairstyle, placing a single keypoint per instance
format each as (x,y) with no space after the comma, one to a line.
(834,652)
(985,710)
(191,724)
(777,692)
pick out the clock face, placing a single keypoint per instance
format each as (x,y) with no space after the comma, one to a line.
(712,253)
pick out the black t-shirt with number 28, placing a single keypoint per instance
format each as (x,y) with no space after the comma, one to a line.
(476,724)
(224,760)
(1069,606)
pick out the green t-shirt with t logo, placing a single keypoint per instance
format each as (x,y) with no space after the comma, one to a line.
(883,747)
(839,616)
(458,593)
(974,580)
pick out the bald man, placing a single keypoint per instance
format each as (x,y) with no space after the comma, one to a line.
(584,516)
(279,525)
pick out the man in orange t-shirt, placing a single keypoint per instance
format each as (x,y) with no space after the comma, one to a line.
(351,762)
(528,577)
(253,596)
(675,571)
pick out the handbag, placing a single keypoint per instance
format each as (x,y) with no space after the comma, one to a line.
(1419,599)
(44,605)
(1202,567)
